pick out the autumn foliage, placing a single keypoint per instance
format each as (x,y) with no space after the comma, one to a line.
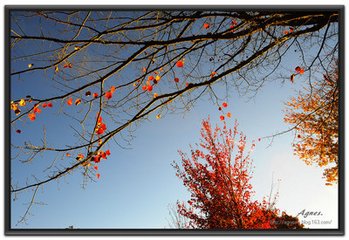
(314,113)
(217,174)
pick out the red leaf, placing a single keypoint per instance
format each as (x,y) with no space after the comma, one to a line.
(150,88)
(144,88)
(97,158)
(95,95)
(176,79)
(103,126)
(180,64)
(206,25)
(37,110)
(108,95)
(151,78)
(100,131)
(70,101)
(49,105)
(103,155)
(44,105)
(221,117)
(98,175)
(225,104)
(95,167)
(107,152)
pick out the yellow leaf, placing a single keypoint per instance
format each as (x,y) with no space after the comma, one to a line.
(22,103)
(158,116)
(157,78)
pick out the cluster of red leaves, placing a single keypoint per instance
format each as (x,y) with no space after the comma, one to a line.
(290,30)
(100,155)
(224,105)
(101,126)
(299,70)
(37,110)
(109,94)
(220,184)
(95,159)
(87,94)
(233,24)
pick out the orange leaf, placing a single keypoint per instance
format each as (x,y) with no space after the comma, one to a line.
(68,154)
(70,101)
(144,88)
(98,175)
(37,110)
(80,156)
(206,25)
(95,95)
(229,114)
(112,89)
(213,74)
(150,78)
(32,116)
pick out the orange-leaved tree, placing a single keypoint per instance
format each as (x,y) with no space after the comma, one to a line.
(217,174)
(315,116)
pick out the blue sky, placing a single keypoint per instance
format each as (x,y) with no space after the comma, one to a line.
(137,184)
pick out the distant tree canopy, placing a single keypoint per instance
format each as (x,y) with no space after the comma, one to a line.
(121,67)
(315,115)
(217,174)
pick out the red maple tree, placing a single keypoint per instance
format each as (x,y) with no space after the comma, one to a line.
(221,192)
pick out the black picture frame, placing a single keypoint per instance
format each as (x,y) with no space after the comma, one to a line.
(169,232)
